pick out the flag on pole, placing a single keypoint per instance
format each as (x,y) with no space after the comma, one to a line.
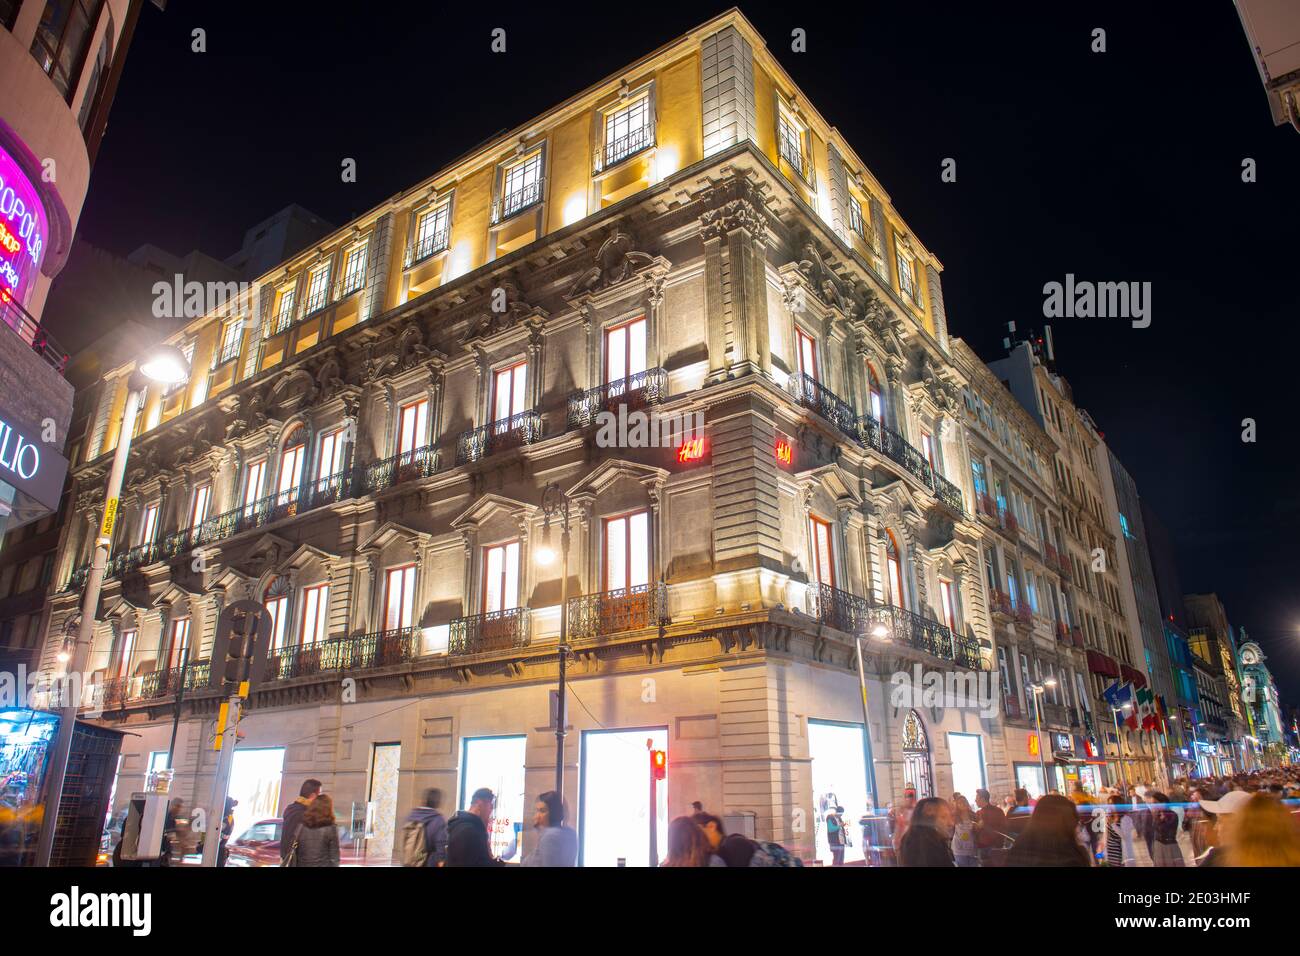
(1146,709)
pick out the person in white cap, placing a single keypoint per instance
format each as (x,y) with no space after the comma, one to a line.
(1232,802)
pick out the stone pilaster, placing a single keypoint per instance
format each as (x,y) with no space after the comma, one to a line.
(727,88)
(746,513)
(378,255)
(935,287)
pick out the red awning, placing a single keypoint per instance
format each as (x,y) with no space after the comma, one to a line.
(1133,675)
(1099,663)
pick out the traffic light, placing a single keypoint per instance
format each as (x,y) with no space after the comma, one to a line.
(658,764)
(240,645)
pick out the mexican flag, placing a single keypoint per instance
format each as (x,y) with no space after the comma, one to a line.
(1147,715)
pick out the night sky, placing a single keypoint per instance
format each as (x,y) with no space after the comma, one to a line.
(1121,166)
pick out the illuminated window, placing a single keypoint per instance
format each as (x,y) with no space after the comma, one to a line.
(627,551)
(823,551)
(199,505)
(149,524)
(278,607)
(807,354)
(284,310)
(628,130)
(790,140)
(399,597)
(232,336)
(318,288)
(508,393)
(125,651)
(877,397)
(354,267)
(948,600)
(64,31)
(856,222)
(521,185)
(897,596)
(253,482)
(906,277)
(291,462)
(315,607)
(625,351)
(927,446)
(432,232)
(501,577)
(329,460)
(179,643)
(412,426)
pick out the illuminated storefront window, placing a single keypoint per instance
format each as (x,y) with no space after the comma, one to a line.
(23,231)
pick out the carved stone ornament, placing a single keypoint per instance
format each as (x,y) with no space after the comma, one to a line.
(730,216)
(329,377)
(411,350)
(616,261)
(294,390)
(199,444)
(249,416)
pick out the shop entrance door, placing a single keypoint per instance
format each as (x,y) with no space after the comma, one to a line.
(615,809)
(381,802)
(916,756)
(839,779)
(255,777)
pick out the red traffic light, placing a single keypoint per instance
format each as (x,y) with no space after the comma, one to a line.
(658,764)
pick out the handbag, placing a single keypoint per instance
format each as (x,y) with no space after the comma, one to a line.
(292,858)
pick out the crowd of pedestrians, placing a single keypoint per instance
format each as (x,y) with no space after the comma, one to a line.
(1248,819)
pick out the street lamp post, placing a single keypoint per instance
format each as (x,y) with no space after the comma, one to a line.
(881,633)
(164,364)
(1119,744)
(1041,688)
(554,503)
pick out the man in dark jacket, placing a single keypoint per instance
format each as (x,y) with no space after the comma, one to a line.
(435,826)
(467,832)
(292,816)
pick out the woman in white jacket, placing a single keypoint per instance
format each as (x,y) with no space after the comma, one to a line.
(1120,832)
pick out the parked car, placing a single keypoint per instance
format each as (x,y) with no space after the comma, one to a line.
(259,845)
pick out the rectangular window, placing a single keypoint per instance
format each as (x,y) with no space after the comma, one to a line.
(125,651)
(179,644)
(232,336)
(432,231)
(399,597)
(149,524)
(508,391)
(1024,679)
(291,462)
(627,551)
(253,482)
(856,222)
(501,577)
(354,267)
(1013,592)
(628,130)
(807,354)
(318,288)
(413,426)
(977,476)
(906,279)
(521,186)
(625,351)
(897,596)
(927,446)
(315,608)
(284,310)
(199,505)
(789,134)
(1004,672)
(823,551)
(279,610)
(329,460)
(949,603)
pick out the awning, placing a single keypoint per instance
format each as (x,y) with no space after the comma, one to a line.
(1133,675)
(1099,663)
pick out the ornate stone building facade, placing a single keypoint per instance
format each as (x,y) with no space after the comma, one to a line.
(367,442)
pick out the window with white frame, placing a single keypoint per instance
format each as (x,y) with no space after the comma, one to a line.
(856,221)
(291,462)
(125,651)
(627,551)
(509,391)
(894,564)
(412,426)
(807,347)
(906,275)
(521,185)
(284,309)
(1024,679)
(178,643)
(149,524)
(354,267)
(927,446)
(278,608)
(500,577)
(625,351)
(1004,672)
(329,456)
(232,336)
(253,479)
(199,502)
(822,543)
(628,130)
(318,288)
(399,597)
(432,231)
(315,609)
(948,600)
(790,140)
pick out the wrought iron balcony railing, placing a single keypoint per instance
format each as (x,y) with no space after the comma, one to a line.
(947,492)
(132,560)
(875,434)
(1000,603)
(854,615)
(636,391)
(77,579)
(477,443)
(513,203)
(1024,615)
(616,612)
(906,627)
(364,652)
(624,147)
(494,631)
(408,466)
(425,247)
(966,652)
(116,692)
(812,394)
(842,610)
(26,326)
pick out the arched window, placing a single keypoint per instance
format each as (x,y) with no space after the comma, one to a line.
(876,395)
(292,454)
(893,557)
(276,600)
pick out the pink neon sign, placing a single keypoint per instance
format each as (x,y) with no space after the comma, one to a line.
(23,231)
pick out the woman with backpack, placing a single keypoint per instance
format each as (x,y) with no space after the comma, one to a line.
(317,843)
(836,835)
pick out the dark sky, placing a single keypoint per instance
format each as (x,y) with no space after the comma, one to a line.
(1121,166)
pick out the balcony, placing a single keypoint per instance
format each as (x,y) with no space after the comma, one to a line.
(624,147)
(26,327)
(1076,636)
(841,610)
(128,561)
(1011,706)
(1052,557)
(1024,616)
(477,443)
(985,506)
(117,692)
(513,203)
(947,492)
(396,469)
(812,394)
(1008,524)
(379,649)
(1063,634)
(854,615)
(593,616)
(636,392)
(1000,603)
(426,246)
(892,445)
(494,631)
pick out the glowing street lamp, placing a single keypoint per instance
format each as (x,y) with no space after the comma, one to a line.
(163,365)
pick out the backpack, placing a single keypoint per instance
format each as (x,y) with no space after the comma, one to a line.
(415,844)
(773,854)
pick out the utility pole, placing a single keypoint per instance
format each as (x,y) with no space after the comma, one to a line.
(227,730)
